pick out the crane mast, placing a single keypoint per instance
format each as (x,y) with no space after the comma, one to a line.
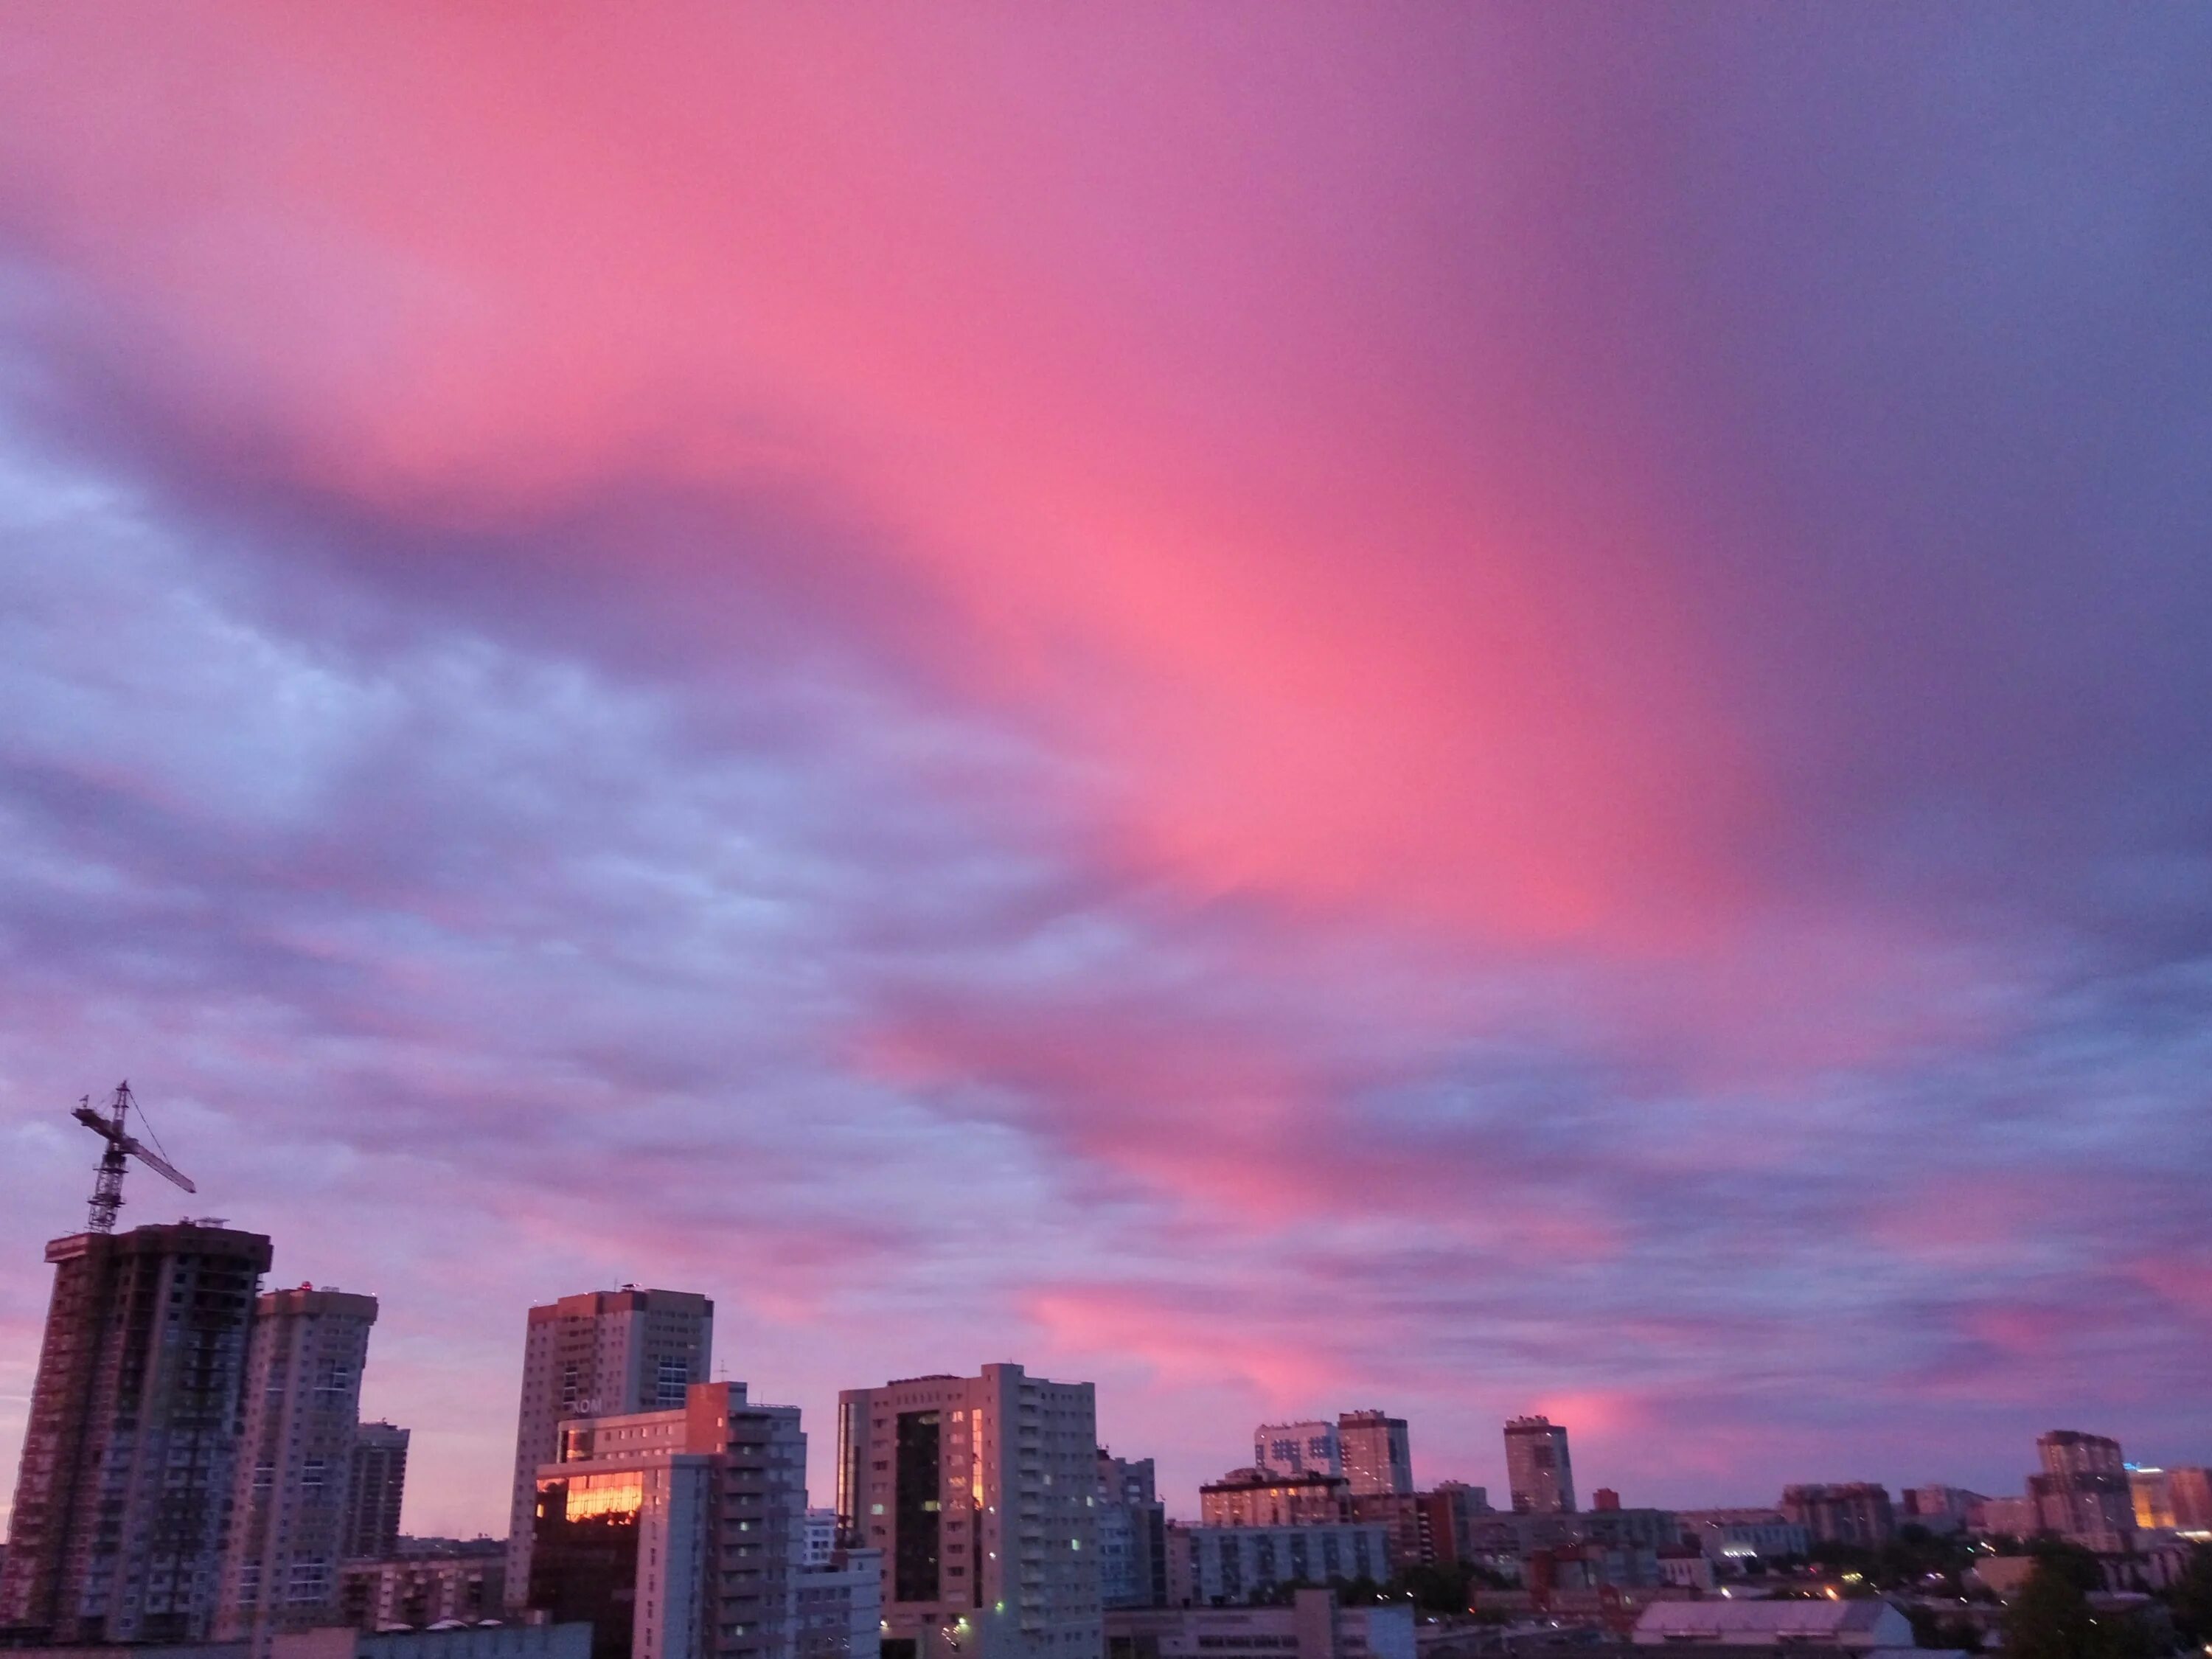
(112,1127)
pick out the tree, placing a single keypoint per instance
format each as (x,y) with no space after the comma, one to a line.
(2191,1598)
(2051,1618)
(2080,1567)
(1931,1629)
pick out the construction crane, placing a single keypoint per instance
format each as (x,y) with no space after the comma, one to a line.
(107,1192)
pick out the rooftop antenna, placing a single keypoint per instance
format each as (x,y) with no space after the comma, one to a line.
(107,1191)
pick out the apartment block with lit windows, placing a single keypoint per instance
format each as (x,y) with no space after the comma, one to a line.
(1283,1449)
(680,1534)
(601,1353)
(983,1492)
(1377,1452)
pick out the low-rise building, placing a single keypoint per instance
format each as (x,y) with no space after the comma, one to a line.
(1861,1627)
(1227,1566)
(837,1607)
(1685,1566)
(1555,1568)
(492,1640)
(467,1582)
(1743,1535)
(1620,1529)
(1312,1627)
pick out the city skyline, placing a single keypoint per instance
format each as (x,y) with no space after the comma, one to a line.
(1481,712)
(654,1385)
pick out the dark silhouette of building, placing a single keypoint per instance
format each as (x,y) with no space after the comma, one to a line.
(129,1451)
(374,1498)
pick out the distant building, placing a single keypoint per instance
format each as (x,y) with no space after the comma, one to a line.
(1252,1497)
(1312,1627)
(2084,1493)
(1686,1566)
(838,1607)
(1740,1536)
(820,1538)
(983,1492)
(1376,1453)
(1604,1498)
(1538,1471)
(2190,1490)
(1426,1528)
(1579,1567)
(1850,1512)
(1133,1546)
(466,1582)
(1939,1509)
(2006,1517)
(291,1505)
(376,1491)
(492,1641)
(1227,1566)
(478,1642)
(602,1353)
(132,1438)
(2153,1495)
(1632,1528)
(1284,1449)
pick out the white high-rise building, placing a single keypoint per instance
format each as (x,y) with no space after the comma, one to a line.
(982,1493)
(602,1353)
(289,1509)
(1287,1448)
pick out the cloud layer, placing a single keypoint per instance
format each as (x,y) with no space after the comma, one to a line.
(1476,713)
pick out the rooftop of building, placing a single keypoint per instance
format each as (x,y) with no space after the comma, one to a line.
(1256,1480)
(1872,1622)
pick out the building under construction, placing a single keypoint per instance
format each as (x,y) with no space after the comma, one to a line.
(130,1450)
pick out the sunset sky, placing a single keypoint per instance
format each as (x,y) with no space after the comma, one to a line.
(1469,709)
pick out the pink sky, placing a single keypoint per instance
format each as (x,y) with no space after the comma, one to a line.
(1467,711)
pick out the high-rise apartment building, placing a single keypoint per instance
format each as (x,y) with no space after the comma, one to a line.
(1538,1471)
(680,1535)
(129,1453)
(981,1491)
(290,1499)
(377,1490)
(602,1353)
(1377,1453)
(1133,1540)
(2083,1492)
(1286,1448)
